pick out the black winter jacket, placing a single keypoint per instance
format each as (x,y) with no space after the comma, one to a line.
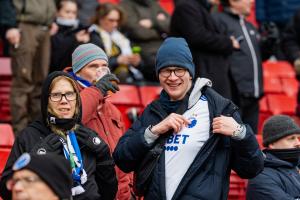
(208,175)
(101,176)
(279,180)
(209,46)
(245,63)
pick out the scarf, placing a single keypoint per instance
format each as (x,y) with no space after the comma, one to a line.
(115,37)
(81,81)
(73,154)
(67,22)
(168,105)
(289,155)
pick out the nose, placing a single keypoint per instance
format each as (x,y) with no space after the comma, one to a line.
(63,99)
(18,186)
(172,76)
(297,143)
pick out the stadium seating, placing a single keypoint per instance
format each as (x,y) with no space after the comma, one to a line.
(5,85)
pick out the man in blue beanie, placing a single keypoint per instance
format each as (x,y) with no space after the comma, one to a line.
(185,144)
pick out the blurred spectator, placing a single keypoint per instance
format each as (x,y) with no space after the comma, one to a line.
(291,47)
(210,47)
(280,178)
(147,25)
(30,54)
(273,16)
(7,21)
(245,63)
(59,131)
(87,9)
(91,72)
(278,11)
(122,60)
(69,34)
(46,177)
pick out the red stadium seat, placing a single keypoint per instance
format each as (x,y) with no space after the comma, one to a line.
(278,69)
(290,86)
(167,5)
(4,153)
(149,93)
(272,85)
(237,187)
(128,102)
(259,140)
(281,104)
(7,137)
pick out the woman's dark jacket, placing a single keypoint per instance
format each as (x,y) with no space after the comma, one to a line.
(210,48)
(101,178)
(279,180)
(208,175)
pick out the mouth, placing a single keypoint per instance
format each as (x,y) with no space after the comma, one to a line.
(174,85)
(64,110)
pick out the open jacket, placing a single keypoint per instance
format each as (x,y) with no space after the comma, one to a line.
(208,175)
(279,180)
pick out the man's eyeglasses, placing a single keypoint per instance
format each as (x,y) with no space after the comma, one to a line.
(70,96)
(26,181)
(179,72)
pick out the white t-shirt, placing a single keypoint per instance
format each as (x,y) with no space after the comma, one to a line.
(181,148)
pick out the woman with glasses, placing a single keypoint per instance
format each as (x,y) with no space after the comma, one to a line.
(59,131)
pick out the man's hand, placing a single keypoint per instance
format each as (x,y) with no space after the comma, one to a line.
(173,121)
(224,125)
(52,143)
(13,35)
(146,23)
(108,82)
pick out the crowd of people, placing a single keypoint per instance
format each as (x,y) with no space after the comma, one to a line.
(68,57)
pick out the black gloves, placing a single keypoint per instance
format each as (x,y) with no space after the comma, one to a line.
(91,140)
(51,143)
(108,83)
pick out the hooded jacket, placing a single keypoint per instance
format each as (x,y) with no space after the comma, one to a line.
(279,180)
(208,176)
(101,179)
(103,117)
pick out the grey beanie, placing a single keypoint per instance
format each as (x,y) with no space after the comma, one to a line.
(85,54)
(277,127)
(175,51)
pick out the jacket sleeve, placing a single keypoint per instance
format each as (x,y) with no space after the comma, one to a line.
(131,147)
(17,150)
(190,22)
(133,29)
(247,159)
(91,98)
(290,39)
(266,187)
(106,175)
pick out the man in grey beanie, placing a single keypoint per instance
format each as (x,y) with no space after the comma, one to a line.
(91,71)
(280,178)
(197,133)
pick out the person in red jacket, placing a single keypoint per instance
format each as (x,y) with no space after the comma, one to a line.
(90,70)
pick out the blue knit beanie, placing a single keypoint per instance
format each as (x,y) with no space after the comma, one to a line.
(175,51)
(85,54)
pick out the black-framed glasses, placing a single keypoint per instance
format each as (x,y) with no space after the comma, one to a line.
(179,72)
(70,96)
(26,182)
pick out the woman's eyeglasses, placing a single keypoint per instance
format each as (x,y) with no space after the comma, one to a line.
(70,96)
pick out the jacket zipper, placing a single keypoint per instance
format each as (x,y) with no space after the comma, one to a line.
(253,55)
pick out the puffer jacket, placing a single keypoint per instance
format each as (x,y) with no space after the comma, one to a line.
(279,180)
(208,176)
